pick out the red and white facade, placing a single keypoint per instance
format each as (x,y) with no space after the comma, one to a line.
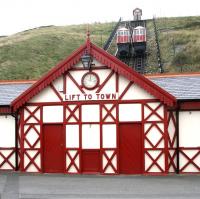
(125,124)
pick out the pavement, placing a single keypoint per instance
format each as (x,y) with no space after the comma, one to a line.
(60,186)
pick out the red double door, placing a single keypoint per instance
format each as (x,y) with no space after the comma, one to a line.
(54,152)
(130,150)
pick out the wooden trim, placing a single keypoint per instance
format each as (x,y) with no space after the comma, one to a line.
(195,105)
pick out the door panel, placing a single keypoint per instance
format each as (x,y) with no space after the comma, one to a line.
(90,161)
(53,160)
(130,148)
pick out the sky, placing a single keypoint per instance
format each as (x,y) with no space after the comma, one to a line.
(19,15)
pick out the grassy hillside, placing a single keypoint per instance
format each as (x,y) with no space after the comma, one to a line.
(29,54)
(180,43)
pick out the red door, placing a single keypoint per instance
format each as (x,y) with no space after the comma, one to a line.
(90,161)
(130,148)
(53,160)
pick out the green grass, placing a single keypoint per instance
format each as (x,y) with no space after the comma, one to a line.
(29,54)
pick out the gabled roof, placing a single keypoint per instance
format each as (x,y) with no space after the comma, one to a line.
(106,59)
(9,90)
(183,87)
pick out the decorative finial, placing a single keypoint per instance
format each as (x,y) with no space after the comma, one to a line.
(88,32)
(88,40)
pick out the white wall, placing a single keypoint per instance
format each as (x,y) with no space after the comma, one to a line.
(46,95)
(109,136)
(72,136)
(7,131)
(134,92)
(90,136)
(130,112)
(189,129)
(90,113)
(52,114)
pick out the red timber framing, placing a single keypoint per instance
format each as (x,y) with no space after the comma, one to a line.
(30,152)
(155,138)
(156,159)
(154,119)
(5,158)
(172,141)
(8,155)
(191,155)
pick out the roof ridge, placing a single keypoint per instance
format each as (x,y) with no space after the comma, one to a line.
(17,81)
(193,74)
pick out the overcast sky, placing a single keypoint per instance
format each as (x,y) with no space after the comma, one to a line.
(19,15)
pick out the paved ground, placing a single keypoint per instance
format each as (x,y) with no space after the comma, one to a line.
(29,186)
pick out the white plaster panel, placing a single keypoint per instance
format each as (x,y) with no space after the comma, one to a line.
(71,88)
(123,83)
(109,136)
(72,136)
(37,160)
(114,163)
(136,93)
(108,117)
(7,132)
(110,86)
(130,112)
(90,113)
(183,160)
(72,169)
(72,117)
(52,114)
(27,114)
(46,95)
(154,135)
(11,159)
(32,135)
(160,161)
(58,84)
(189,129)
(77,75)
(103,74)
(154,117)
(90,136)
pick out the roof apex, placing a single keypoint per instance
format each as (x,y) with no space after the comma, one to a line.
(105,58)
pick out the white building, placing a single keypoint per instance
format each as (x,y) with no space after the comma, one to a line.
(107,119)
